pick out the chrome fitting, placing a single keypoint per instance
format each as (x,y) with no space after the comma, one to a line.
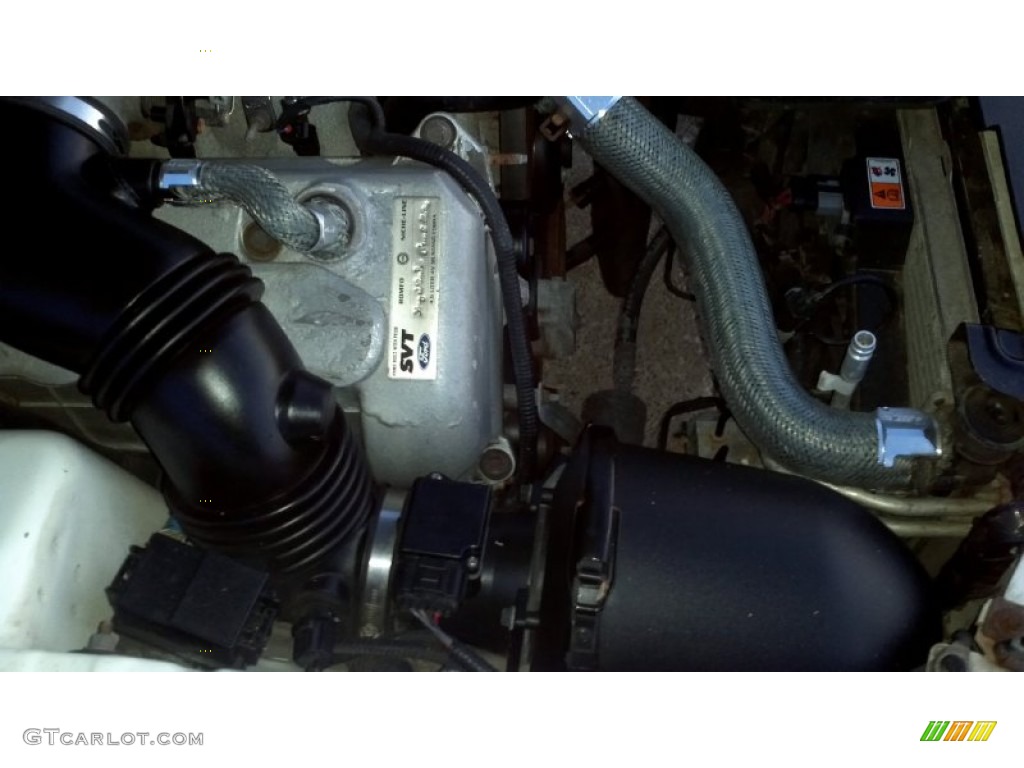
(179,174)
(851,373)
(584,111)
(334,222)
(905,432)
(858,356)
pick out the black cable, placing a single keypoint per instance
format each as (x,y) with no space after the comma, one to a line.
(669,282)
(820,298)
(632,302)
(861,279)
(294,128)
(878,102)
(297,106)
(404,113)
(426,104)
(624,353)
(375,140)
(685,407)
(463,654)
(468,658)
(624,356)
(394,649)
(412,644)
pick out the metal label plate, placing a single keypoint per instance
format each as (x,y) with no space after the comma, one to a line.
(414,288)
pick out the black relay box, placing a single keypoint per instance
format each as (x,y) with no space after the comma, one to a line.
(876,193)
(199,606)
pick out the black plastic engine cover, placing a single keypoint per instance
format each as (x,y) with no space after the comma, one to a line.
(712,566)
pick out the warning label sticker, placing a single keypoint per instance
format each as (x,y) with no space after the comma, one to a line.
(885,183)
(414,288)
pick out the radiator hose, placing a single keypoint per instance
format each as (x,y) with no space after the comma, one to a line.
(802,434)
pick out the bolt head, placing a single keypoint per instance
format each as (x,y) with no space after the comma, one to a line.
(439,130)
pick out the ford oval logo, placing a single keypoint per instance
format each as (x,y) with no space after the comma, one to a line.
(423,351)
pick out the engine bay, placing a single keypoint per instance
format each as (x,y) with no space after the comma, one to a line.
(511,383)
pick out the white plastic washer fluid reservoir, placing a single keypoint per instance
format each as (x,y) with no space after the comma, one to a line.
(69,517)
(47,661)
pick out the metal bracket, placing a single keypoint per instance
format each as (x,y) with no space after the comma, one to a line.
(583,111)
(595,569)
(905,432)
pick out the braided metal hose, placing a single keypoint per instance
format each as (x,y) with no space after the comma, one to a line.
(304,227)
(771,407)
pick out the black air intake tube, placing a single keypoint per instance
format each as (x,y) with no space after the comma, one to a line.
(258,461)
(658,561)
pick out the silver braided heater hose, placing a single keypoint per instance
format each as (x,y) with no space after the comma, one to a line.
(773,410)
(265,198)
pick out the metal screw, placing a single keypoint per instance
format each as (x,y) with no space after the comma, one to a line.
(473,563)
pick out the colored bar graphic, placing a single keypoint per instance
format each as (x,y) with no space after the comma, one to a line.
(958,730)
(935,730)
(982,730)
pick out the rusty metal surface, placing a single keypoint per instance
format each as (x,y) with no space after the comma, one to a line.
(1004,628)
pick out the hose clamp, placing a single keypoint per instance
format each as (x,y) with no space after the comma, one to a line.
(383,533)
(584,111)
(179,173)
(87,115)
(905,432)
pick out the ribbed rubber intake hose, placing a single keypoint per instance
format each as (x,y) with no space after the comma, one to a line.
(770,406)
(373,140)
(257,459)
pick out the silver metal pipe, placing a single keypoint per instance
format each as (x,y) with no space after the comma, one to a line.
(914,529)
(858,357)
(853,370)
(916,506)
